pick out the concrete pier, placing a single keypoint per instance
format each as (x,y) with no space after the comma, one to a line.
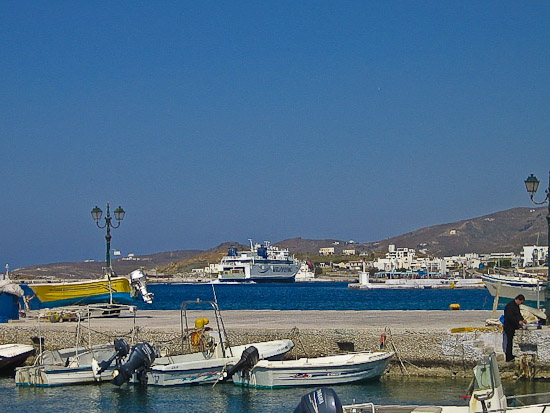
(430,343)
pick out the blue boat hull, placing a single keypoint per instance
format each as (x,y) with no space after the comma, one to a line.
(9,307)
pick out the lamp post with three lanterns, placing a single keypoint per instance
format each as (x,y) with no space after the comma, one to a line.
(119,216)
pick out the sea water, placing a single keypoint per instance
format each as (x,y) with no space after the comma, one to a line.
(310,296)
(228,398)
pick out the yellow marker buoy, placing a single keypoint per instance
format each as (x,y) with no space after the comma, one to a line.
(454,306)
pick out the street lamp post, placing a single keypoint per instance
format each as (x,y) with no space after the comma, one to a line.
(119,216)
(532,184)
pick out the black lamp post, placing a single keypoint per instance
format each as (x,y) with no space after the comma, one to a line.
(532,184)
(119,216)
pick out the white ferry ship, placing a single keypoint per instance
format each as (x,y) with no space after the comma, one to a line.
(263,263)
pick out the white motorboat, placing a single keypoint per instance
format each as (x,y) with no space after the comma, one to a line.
(205,353)
(317,371)
(507,287)
(196,369)
(65,367)
(72,365)
(14,355)
(487,396)
(412,281)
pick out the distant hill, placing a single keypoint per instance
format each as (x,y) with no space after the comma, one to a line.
(504,231)
(201,260)
(83,270)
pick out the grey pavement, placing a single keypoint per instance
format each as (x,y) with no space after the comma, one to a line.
(169,320)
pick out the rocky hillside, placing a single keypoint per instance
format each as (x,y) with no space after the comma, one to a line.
(504,231)
(83,270)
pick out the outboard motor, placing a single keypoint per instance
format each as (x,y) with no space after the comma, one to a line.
(323,400)
(139,284)
(249,358)
(140,360)
(122,348)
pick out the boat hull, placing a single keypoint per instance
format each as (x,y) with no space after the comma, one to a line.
(321,371)
(14,355)
(257,279)
(9,307)
(65,367)
(194,368)
(508,289)
(85,292)
(45,376)
(10,292)
(200,372)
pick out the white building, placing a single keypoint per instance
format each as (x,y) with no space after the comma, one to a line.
(498,257)
(534,255)
(348,252)
(396,258)
(326,251)
(467,261)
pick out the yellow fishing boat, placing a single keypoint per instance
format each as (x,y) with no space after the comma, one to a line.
(113,289)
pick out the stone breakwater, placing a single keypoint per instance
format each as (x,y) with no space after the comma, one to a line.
(438,351)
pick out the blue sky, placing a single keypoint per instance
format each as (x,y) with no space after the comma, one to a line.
(225,121)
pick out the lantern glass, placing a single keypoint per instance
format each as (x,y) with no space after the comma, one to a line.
(532,184)
(119,213)
(96,213)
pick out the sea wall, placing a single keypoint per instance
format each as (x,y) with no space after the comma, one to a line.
(419,351)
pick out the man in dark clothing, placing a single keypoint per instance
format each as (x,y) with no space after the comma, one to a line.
(512,321)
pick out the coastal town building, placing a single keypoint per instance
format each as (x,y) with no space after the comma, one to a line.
(396,258)
(467,261)
(326,251)
(534,255)
(500,258)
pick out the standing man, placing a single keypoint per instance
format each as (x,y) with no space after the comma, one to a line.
(512,321)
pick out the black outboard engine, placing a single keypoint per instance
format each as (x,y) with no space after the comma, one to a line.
(323,400)
(249,358)
(122,348)
(140,360)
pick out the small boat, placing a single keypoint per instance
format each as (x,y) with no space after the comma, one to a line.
(72,365)
(487,395)
(196,369)
(65,367)
(10,294)
(507,287)
(110,289)
(329,370)
(205,353)
(14,355)
(411,280)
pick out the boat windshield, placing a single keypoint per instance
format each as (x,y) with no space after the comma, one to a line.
(486,373)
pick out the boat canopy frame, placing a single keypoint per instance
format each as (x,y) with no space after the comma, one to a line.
(184,323)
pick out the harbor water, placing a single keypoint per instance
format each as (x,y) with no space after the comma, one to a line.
(311,296)
(228,398)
